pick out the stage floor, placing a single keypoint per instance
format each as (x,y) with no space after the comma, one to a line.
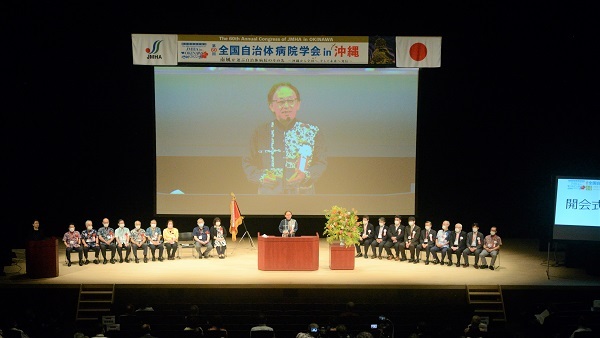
(522,264)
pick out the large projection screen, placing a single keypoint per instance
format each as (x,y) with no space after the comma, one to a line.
(577,209)
(205,124)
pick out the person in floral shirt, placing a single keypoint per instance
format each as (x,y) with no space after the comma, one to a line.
(106,237)
(72,240)
(89,240)
(154,235)
(138,240)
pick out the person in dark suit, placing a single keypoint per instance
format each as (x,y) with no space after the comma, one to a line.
(367,235)
(35,233)
(381,238)
(474,246)
(426,242)
(411,239)
(458,243)
(396,238)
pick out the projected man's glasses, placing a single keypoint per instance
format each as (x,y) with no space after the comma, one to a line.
(288,102)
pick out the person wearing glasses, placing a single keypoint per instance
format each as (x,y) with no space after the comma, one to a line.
(285,156)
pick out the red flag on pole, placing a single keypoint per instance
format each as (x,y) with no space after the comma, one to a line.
(236,217)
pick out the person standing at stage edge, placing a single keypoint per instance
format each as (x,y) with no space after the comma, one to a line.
(288,226)
(285,156)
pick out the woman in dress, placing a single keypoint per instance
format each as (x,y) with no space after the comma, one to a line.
(218,234)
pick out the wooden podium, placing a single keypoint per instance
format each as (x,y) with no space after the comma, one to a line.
(341,257)
(41,258)
(288,253)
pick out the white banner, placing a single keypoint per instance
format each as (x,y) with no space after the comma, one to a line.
(338,50)
(154,49)
(418,51)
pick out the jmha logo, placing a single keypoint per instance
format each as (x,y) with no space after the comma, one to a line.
(153,53)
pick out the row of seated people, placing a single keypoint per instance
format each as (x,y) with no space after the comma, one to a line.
(450,244)
(125,241)
(347,323)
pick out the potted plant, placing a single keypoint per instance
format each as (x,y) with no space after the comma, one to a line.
(342,233)
(341,226)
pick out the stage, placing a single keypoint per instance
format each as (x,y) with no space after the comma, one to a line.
(236,288)
(522,264)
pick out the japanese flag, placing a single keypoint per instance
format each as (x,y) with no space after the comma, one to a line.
(418,51)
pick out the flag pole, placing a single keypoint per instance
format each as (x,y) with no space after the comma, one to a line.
(245,228)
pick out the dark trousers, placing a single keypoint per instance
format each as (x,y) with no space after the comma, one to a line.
(78,250)
(378,246)
(466,252)
(113,248)
(434,250)
(420,248)
(388,247)
(411,247)
(457,252)
(127,251)
(153,248)
(95,249)
(221,250)
(135,248)
(171,249)
(366,243)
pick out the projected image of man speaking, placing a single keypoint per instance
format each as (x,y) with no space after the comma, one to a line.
(285,156)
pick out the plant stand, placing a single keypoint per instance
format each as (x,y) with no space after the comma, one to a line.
(341,257)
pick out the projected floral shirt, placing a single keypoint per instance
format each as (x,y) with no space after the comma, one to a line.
(278,152)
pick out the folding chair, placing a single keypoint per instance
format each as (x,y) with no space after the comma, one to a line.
(186,240)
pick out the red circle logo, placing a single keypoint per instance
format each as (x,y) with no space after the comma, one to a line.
(418,51)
